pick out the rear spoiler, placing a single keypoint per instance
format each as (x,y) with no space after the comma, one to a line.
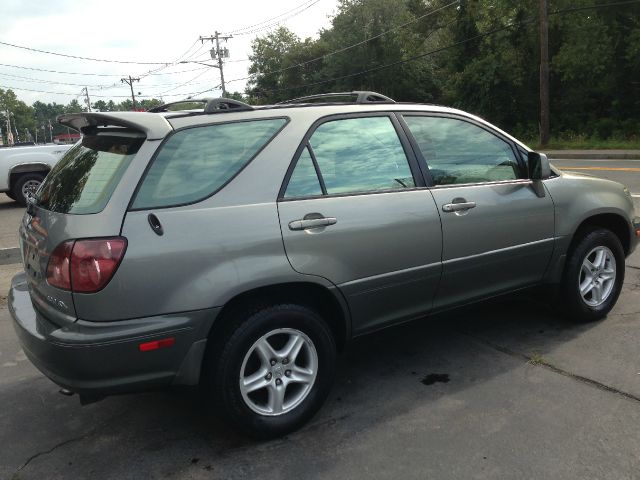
(153,125)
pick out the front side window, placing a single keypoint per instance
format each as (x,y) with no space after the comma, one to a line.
(356,155)
(196,162)
(459,152)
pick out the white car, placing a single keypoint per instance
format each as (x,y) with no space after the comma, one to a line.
(22,169)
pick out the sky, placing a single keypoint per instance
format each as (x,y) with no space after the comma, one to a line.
(138,31)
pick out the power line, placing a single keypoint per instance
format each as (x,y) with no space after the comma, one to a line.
(238,30)
(91,74)
(78,57)
(153,71)
(349,47)
(185,83)
(103,96)
(274,24)
(36,80)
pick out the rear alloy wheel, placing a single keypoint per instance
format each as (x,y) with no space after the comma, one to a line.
(26,186)
(273,371)
(593,277)
(274,381)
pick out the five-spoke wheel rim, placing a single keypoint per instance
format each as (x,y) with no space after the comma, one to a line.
(278,372)
(30,187)
(597,276)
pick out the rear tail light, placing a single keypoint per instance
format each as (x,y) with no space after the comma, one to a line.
(58,274)
(85,266)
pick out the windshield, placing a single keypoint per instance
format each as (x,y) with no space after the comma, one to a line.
(84,179)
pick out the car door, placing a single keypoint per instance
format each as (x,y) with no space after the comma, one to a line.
(351,211)
(497,230)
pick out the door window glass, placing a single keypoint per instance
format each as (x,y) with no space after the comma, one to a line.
(360,155)
(459,152)
(304,179)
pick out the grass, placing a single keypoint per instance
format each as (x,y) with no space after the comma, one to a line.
(537,359)
(585,143)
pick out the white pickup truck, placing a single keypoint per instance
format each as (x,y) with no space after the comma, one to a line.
(23,168)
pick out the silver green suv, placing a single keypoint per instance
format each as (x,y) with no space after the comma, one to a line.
(240,248)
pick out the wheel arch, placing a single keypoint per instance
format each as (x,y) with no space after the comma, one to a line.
(23,168)
(327,301)
(611,221)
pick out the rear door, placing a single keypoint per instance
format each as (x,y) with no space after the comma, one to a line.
(354,211)
(497,231)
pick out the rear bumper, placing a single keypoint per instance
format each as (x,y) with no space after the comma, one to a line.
(102,358)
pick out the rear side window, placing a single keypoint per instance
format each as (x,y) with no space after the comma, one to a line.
(84,179)
(196,162)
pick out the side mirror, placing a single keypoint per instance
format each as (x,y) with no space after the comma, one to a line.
(538,164)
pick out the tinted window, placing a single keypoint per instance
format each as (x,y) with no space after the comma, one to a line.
(84,179)
(196,162)
(304,180)
(460,152)
(360,155)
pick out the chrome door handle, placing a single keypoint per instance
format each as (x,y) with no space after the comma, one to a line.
(457,207)
(303,224)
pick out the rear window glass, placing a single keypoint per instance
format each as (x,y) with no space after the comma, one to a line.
(196,162)
(84,179)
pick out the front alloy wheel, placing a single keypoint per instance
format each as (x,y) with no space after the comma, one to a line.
(597,276)
(593,276)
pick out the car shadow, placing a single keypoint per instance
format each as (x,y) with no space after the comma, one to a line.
(379,377)
(9,204)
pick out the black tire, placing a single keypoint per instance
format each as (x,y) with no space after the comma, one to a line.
(10,195)
(19,184)
(224,364)
(570,297)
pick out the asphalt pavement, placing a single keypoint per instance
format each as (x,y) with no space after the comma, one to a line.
(506,389)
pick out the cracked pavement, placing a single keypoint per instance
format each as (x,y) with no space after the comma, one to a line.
(519,393)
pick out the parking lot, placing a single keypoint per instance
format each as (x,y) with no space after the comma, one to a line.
(506,389)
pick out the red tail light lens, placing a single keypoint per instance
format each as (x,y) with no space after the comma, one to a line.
(58,274)
(87,265)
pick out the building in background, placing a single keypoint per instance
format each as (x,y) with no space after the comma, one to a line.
(66,138)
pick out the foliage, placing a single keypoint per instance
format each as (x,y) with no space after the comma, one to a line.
(27,119)
(479,55)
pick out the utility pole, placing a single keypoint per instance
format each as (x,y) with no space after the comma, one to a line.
(129,81)
(87,100)
(544,73)
(218,54)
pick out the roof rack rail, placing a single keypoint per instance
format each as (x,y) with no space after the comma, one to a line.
(211,105)
(360,97)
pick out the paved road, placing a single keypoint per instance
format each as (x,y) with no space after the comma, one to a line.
(10,215)
(502,390)
(626,172)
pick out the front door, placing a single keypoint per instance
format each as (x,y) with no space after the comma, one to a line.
(353,213)
(497,232)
